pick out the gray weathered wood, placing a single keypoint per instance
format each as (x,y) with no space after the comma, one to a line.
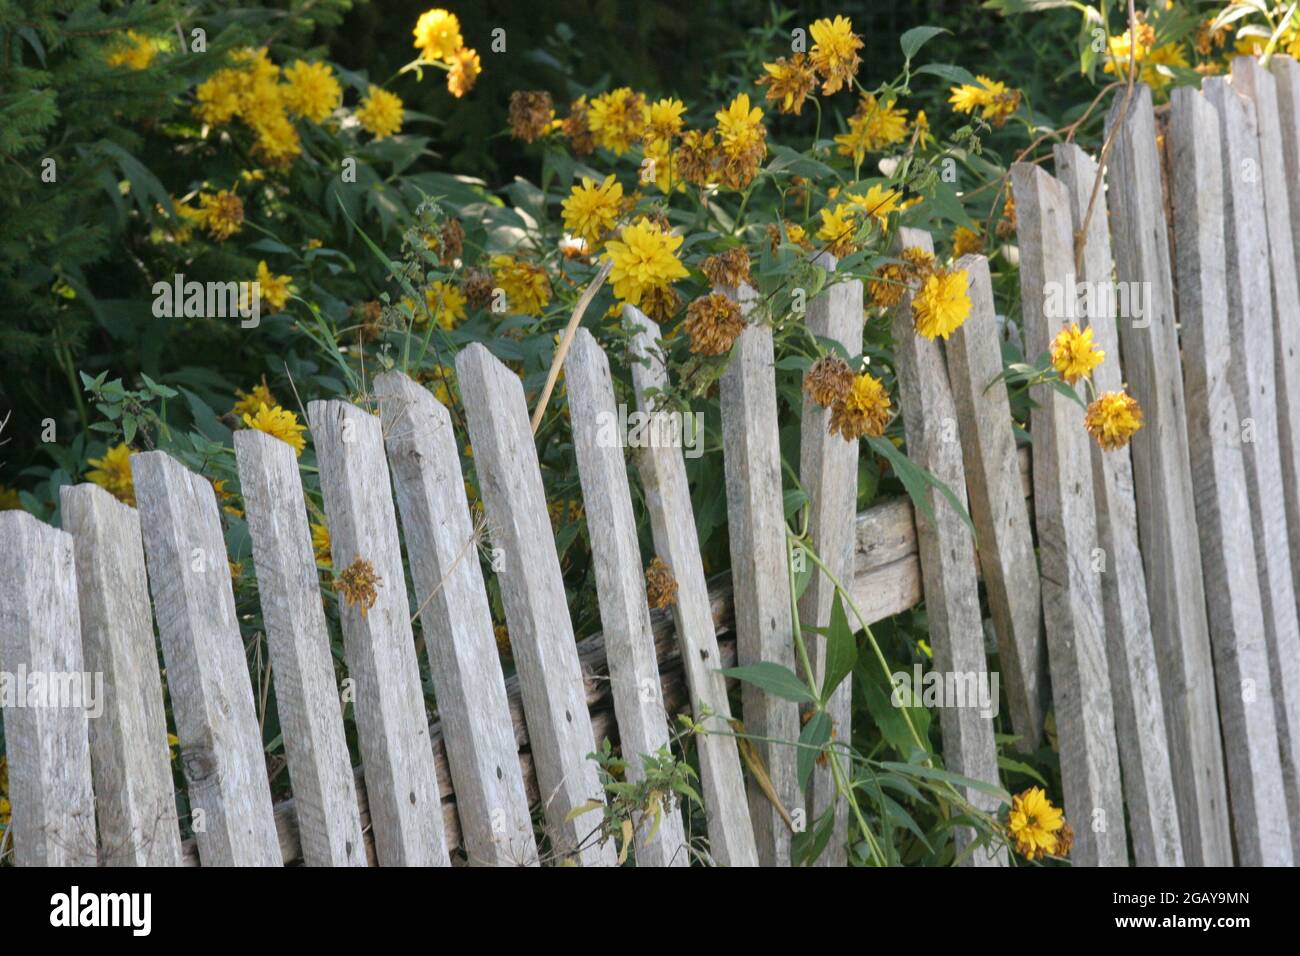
(997,505)
(947,552)
(760,572)
(537,613)
(442,544)
(1067,536)
(1260,819)
(136,798)
(307,695)
(828,471)
(53,803)
(1163,489)
(1130,650)
(662,469)
(392,729)
(620,585)
(207,674)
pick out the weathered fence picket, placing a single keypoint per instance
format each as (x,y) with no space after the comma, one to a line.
(997,506)
(1067,537)
(378,643)
(1130,650)
(751,454)
(442,544)
(620,587)
(947,551)
(1162,484)
(136,800)
(47,747)
(307,695)
(207,674)
(1236,616)
(662,469)
(537,613)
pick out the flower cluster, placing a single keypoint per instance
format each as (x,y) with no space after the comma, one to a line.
(438,38)
(1037,827)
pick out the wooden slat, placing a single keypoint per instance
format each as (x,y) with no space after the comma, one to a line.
(760,572)
(457,622)
(1067,537)
(307,695)
(207,674)
(537,613)
(620,585)
(136,798)
(672,523)
(997,505)
(1260,819)
(53,804)
(1163,489)
(947,551)
(828,471)
(1131,656)
(378,642)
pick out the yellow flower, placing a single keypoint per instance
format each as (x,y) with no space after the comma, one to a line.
(446,304)
(1033,823)
(966,242)
(1073,353)
(278,423)
(1120,53)
(9,500)
(320,544)
(1113,419)
(741,129)
(437,35)
(590,210)
(874,126)
(838,228)
(863,411)
(6,810)
(879,202)
(381,112)
(662,166)
(941,305)
(991,97)
(218,97)
(665,118)
(835,52)
(465,68)
(660,585)
(113,473)
(222,213)
(248,401)
(526,286)
(644,259)
(789,81)
(311,91)
(274,289)
(617,119)
(137,52)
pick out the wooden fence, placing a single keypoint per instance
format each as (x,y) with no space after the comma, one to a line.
(1147,596)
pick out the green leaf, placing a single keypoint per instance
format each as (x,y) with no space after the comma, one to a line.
(916,479)
(917,37)
(806,847)
(956,75)
(947,776)
(841,649)
(775,679)
(811,741)
(1015,766)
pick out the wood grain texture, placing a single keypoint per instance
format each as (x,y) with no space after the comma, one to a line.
(47,747)
(207,673)
(620,586)
(997,507)
(378,643)
(1067,536)
(442,544)
(1214,428)
(828,471)
(1163,489)
(136,800)
(1130,650)
(946,550)
(662,470)
(537,613)
(760,572)
(306,693)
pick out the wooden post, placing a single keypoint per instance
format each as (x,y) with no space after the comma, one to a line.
(537,613)
(947,553)
(1131,655)
(207,674)
(620,585)
(1067,538)
(760,572)
(672,522)
(311,720)
(46,743)
(443,547)
(136,798)
(997,505)
(1236,615)
(1163,488)
(388,701)
(828,470)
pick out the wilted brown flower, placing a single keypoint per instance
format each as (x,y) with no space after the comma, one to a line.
(451,242)
(531,112)
(713,322)
(890,281)
(661,303)
(477,286)
(357,585)
(789,82)
(1006,227)
(697,157)
(660,585)
(1064,839)
(577,130)
(729,268)
(371,314)
(864,410)
(828,381)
